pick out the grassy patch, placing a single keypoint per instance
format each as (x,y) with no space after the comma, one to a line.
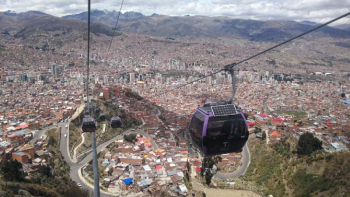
(276,170)
(74,134)
(2,48)
(307,184)
(297,114)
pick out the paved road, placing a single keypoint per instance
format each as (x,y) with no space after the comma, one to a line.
(64,144)
(41,132)
(76,167)
(241,170)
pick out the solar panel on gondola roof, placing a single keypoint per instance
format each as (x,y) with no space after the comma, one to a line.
(224,110)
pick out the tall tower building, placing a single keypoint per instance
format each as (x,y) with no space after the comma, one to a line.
(106,95)
(24,77)
(58,71)
(53,69)
(132,77)
(105,79)
(210,80)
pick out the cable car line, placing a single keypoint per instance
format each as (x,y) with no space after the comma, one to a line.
(115,121)
(115,28)
(88,56)
(88,123)
(230,66)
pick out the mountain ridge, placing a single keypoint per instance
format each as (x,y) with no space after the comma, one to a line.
(204,26)
(26,23)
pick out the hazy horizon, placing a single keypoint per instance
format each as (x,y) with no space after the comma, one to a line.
(318,11)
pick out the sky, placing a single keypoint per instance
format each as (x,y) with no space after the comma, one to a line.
(299,10)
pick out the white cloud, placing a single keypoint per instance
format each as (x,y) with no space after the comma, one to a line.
(312,10)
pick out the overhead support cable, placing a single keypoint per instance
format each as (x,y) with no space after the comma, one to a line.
(230,66)
(115,28)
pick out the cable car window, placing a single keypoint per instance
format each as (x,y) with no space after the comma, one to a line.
(196,128)
(197,123)
(225,126)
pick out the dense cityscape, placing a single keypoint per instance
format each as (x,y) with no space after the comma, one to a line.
(298,89)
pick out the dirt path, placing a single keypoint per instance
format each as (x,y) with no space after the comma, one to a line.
(211,192)
(76,148)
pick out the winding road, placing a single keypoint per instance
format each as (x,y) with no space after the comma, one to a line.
(75,172)
(241,170)
(75,167)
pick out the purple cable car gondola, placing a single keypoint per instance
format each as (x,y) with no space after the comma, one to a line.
(116,122)
(219,129)
(88,125)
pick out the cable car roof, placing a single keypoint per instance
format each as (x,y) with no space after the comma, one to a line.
(219,110)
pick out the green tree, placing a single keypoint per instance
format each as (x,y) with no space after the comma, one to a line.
(207,167)
(257,130)
(45,170)
(308,144)
(130,138)
(12,170)
(208,176)
(127,138)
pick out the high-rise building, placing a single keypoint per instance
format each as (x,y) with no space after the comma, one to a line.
(132,77)
(106,95)
(105,79)
(210,80)
(58,71)
(97,79)
(39,77)
(53,69)
(24,77)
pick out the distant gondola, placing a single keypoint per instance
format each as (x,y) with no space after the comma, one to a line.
(219,128)
(102,117)
(116,122)
(86,110)
(89,125)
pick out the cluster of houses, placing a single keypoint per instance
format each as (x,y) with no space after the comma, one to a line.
(30,155)
(334,135)
(134,168)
